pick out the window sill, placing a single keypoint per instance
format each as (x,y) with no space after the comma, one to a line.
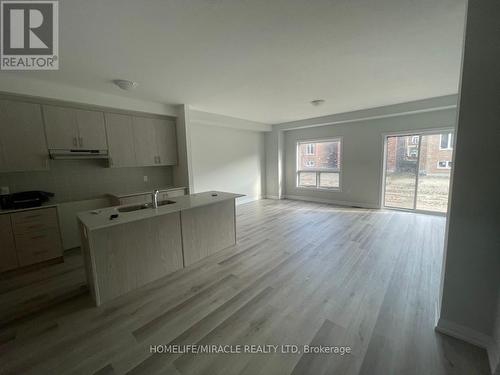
(314,188)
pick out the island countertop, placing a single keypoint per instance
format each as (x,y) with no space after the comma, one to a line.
(98,219)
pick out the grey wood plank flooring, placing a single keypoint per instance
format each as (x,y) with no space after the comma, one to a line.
(300,273)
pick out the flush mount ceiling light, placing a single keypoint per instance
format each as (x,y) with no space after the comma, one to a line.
(317,102)
(125,84)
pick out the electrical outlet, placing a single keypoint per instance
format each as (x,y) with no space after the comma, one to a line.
(4,190)
(145,178)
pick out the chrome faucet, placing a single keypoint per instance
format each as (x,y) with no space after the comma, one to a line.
(154,198)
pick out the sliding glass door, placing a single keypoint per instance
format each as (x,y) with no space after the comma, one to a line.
(417,171)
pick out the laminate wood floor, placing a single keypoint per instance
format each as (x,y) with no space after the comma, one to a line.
(27,292)
(301,273)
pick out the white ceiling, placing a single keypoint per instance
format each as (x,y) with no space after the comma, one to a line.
(263,60)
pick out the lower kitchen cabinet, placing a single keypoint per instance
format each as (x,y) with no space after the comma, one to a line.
(32,236)
(8,255)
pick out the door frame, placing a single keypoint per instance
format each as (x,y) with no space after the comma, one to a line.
(420,133)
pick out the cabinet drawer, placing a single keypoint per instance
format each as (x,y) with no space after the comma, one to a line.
(35,220)
(38,246)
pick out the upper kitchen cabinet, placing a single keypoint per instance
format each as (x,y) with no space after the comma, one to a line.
(91,130)
(166,142)
(120,140)
(60,127)
(22,139)
(74,129)
(145,141)
(154,141)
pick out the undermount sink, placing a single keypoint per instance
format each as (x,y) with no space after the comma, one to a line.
(143,206)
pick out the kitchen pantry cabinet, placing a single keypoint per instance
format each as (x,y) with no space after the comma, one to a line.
(22,138)
(74,129)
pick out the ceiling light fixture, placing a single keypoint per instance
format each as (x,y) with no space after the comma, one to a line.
(125,84)
(317,102)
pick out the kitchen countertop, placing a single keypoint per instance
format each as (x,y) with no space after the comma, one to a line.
(98,219)
(124,195)
(14,210)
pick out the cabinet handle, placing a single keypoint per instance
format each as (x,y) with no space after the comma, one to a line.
(75,142)
(39,252)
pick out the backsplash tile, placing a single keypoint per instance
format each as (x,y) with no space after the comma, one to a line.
(73,180)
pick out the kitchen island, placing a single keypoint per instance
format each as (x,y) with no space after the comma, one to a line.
(127,247)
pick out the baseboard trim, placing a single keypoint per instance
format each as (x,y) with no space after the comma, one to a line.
(331,201)
(471,336)
(272,197)
(247,199)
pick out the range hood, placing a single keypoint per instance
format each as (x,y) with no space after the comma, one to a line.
(78,154)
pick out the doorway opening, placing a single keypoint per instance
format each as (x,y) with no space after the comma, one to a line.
(417,171)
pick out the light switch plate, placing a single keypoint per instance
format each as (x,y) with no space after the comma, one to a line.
(145,178)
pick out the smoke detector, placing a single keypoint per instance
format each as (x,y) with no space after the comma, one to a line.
(317,102)
(125,84)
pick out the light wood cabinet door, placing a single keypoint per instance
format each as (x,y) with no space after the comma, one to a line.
(146,152)
(8,257)
(166,142)
(37,235)
(22,137)
(120,140)
(91,130)
(60,127)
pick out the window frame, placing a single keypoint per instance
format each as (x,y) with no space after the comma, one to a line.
(318,171)
(449,144)
(448,164)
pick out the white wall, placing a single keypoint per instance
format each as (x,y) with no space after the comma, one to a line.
(14,84)
(227,159)
(470,289)
(361,155)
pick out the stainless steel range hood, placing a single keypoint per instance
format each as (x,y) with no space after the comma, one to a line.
(78,154)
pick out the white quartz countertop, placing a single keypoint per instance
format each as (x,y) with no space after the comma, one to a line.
(124,195)
(98,219)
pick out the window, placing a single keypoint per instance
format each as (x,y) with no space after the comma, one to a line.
(446,141)
(310,149)
(444,164)
(318,164)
